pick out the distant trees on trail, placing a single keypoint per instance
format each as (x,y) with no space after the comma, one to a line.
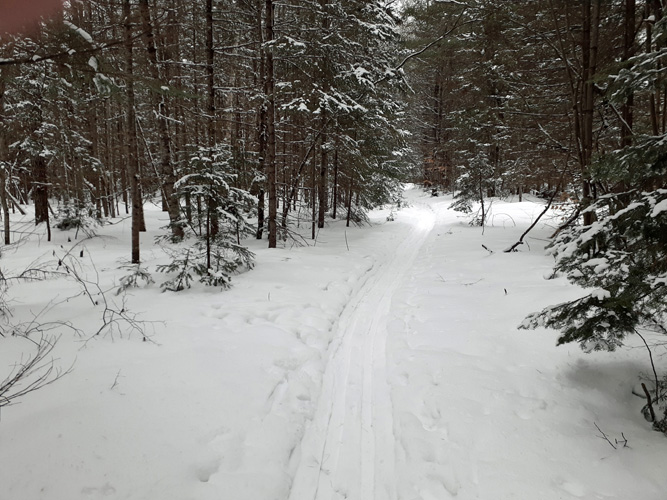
(532,86)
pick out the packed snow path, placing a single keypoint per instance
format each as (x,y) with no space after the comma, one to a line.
(348,450)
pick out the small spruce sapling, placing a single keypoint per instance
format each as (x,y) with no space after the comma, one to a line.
(217,228)
(473,186)
(77,216)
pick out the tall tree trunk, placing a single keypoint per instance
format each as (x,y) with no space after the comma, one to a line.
(131,125)
(334,195)
(325,75)
(40,190)
(322,184)
(270,125)
(210,75)
(167,174)
(628,52)
(349,205)
(94,148)
(313,198)
(591,22)
(654,9)
(212,216)
(3,193)
(4,157)
(262,125)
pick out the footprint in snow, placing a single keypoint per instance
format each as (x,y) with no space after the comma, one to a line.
(205,471)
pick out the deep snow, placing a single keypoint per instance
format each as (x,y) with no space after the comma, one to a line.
(389,370)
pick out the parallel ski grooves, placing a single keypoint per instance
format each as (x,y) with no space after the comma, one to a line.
(348,449)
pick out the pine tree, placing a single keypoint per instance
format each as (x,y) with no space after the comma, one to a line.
(621,256)
(216,253)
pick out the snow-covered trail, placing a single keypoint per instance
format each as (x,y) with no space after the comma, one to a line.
(381,363)
(348,449)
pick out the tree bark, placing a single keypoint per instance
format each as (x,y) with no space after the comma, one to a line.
(40,190)
(270,126)
(349,205)
(334,195)
(4,157)
(589,46)
(168,176)
(322,184)
(262,125)
(131,124)
(628,52)
(213,225)
(324,153)
(653,8)
(210,74)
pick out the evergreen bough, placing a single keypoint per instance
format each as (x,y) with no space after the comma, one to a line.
(473,186)
(622,259)
(212,251)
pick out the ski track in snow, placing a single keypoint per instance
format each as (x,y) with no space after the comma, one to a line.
(348,450)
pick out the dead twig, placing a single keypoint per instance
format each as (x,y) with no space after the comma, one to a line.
(617,442)
(604,436)
(115,382)
(546,209)
(649,402)
(33,373)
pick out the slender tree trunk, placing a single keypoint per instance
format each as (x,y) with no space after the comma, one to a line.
(97,194)
(4,156)
(628,52)
(111,186)
(210,75)
(325,76)
(40,191)
(208,235)
(480,184)
(168,176)
(349,205)
(270,126)
(334,195)
(131,124)
(591,22)
(213,226)
(3,195)
(653,8)
(313,198)
(322,184)
(262,126)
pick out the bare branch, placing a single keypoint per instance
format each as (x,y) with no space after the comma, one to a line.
(32,374)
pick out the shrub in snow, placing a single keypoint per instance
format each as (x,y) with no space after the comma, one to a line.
(136,273)
(622,259)
(74,215)
(212,249)
(32,372)
(473,186)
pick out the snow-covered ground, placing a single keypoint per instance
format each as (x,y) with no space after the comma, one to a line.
(382,363)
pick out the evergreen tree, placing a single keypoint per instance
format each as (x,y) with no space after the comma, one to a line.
(216,252)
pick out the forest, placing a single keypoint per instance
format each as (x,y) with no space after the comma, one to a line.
(247,125)
(325,107)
